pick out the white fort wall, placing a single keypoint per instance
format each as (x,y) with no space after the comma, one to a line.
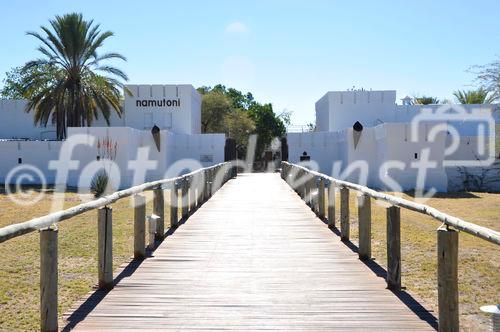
(16,123)
(175,109)
(387,136)
(207,149)
(376,146)
(338,110)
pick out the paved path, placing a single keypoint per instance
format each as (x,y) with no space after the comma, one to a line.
(253,257)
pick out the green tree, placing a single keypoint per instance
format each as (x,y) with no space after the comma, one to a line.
(267,126)
(479,96)
(80,86)
(239,125)
(14,81)
(242,117)
(215,106)
(425,100)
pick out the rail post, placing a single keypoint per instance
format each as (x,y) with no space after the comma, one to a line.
(159,210)
(313,193)
(139,226)
(331,205)
(48,279)
(393,248)
(304,176)
(447,243)
(190,192)
(365,226)
(184,198)
(321,198)
(310,186)
(199,185)
(174,202)
(105,247)
(152,224)
(208,187)
(344,214)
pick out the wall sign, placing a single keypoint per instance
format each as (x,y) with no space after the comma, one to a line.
(158,102)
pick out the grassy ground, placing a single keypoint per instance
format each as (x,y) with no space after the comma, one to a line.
(20,258)
(479,263)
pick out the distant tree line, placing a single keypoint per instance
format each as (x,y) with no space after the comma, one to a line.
(239,115)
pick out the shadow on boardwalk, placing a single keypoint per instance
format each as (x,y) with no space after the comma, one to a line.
(402,295)
(253,257)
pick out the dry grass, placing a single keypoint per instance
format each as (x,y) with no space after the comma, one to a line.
(20,258)
(479,281)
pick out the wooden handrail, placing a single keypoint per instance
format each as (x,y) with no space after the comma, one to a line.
(462,225)
(48,235)
(300,179)
(18,229)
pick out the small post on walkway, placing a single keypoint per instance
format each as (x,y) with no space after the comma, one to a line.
(105,247)
(344,214)
(139,226)
(321,198)
(192,194)
(208,184)
(314,194)
(365,227)
(48,279)
(331,205)
(159,210)
(152,222)
(447,242)
(198,195)
(304,185)
(184,198)
(394,248)
(310,191)
(174,202)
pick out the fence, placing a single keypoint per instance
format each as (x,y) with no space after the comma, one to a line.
(307,182)
(196,188)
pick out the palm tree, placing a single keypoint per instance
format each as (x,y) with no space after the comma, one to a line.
(425,100)
(479,96)
(80,87)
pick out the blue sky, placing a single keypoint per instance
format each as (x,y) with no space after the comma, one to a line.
(288,53)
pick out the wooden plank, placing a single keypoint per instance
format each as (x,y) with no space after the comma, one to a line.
(252,257)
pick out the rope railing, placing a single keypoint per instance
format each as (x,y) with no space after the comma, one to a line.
(18,229)
(462,225)
(316,188)
(196,188)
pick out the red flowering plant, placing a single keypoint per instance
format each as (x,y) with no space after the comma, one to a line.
(106,153)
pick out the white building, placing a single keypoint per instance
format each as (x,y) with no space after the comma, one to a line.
(393,134)
(174,109)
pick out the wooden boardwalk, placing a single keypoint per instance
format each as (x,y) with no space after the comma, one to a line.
(254,257)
